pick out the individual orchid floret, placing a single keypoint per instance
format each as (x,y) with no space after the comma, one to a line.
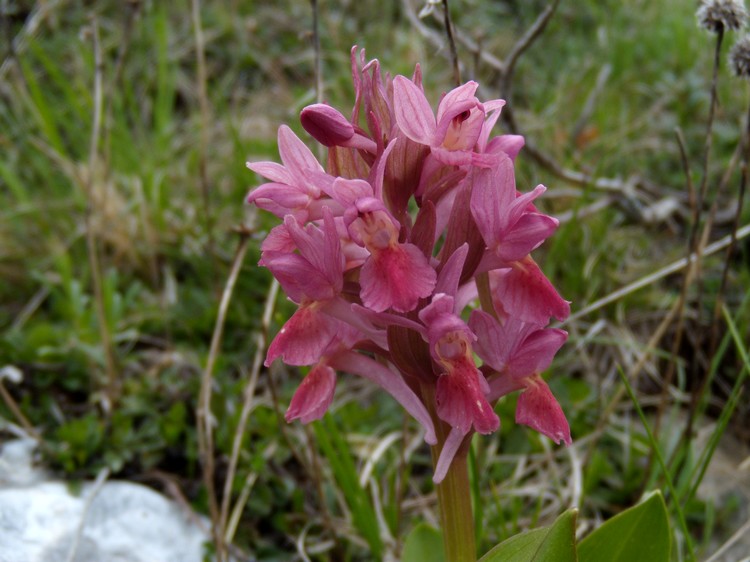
(295,187)
(453,134)
(396,275)
(524,292)
(313,278)
(461,388)
(538,409)
(508,229)
(519,352)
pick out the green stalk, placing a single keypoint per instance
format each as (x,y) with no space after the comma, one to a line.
(454,493)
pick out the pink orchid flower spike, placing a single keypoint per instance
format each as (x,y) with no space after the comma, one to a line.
(414,220)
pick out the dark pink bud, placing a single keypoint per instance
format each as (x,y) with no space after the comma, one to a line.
(326,125)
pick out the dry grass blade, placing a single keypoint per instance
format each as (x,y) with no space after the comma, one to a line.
(261,342)
(95,488)
(91,242)
(655,276)
(205,418)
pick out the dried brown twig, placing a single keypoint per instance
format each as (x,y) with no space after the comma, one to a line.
(451,42)
(522,45)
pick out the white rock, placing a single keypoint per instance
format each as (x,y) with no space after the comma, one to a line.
(124,522)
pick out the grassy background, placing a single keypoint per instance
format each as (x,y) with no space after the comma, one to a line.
(164,200)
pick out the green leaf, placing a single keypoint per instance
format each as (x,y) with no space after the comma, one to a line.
(639,533)
(555,543)
(424,542)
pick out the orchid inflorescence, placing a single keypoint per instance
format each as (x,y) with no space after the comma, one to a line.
(407,255)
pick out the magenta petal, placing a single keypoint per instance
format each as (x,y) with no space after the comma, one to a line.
(503,385)
(297,278)
(457,98)
(538,409)
(492,109)
(294,153)
(278,240)
(392,383)
(524,292)
(346,192)
(526,235)
(493,194)
(450,274)
(272,171)
(313,396)
(495,342)
(507,144)
(448,452)
(326,124)
(285,196)
(536,352)
(461,402)
(414,115)
(521,205)
(303,338)
(452,157)
(396,277)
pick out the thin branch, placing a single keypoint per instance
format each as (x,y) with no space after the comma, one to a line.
(626,187)
(432,36)
(693,273)
(523,44)
(570,176)
(740,534)
(451,42)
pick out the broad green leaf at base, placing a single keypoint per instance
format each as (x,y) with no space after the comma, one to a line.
(549,544)
(424,543)
(640,533)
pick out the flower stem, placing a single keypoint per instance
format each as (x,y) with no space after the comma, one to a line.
(456,516)
(454,494)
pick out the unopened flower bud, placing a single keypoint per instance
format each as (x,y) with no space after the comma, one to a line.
(326,125)
(722,15)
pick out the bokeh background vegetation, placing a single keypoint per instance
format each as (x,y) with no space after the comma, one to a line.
(601,91)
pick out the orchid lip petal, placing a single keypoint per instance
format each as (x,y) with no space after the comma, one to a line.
(314,395)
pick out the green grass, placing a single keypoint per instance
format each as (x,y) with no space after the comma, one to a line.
(165,256)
